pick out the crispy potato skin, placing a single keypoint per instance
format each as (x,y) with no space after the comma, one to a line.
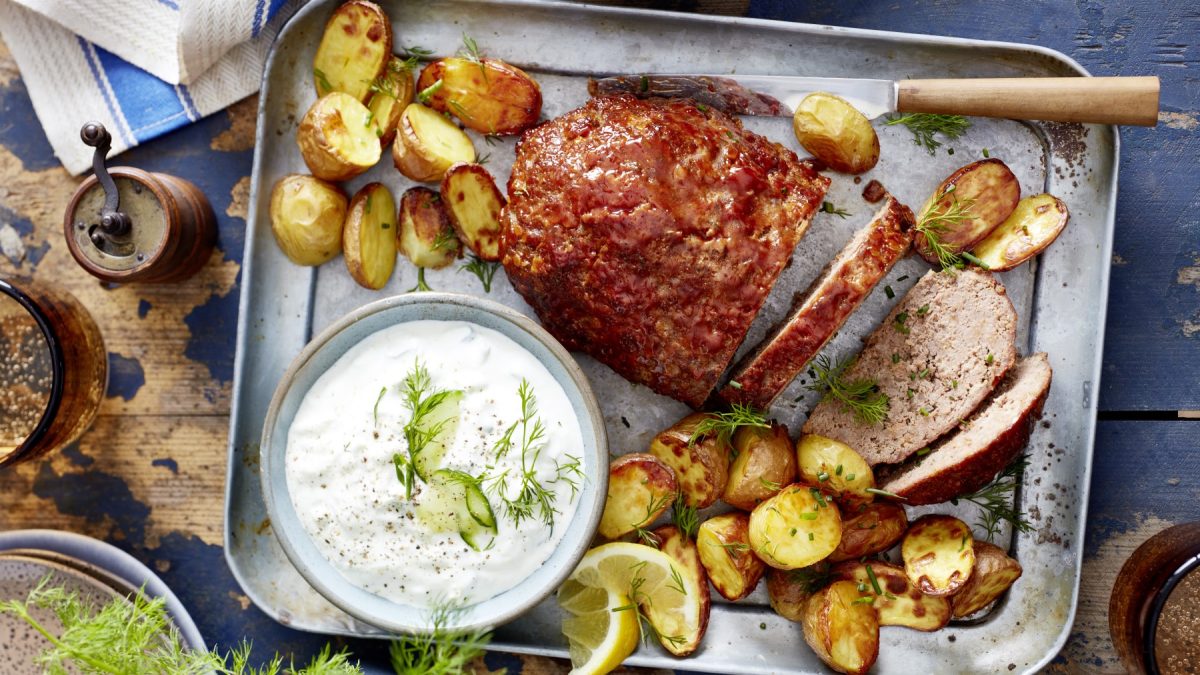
(428,144)
(640,488)
(1033,225)
(939,554)
(423,221)
(818,456)
(795,528)
(673,542)
(789,590)
(474,204)
(987,189)
(877,527)
(900,604)
(764,460)
(369,238)
(724,545)
(836,133)
(307,216)
(994,572)
(488,95)
(702,468)
(335,139)
(843,633)
(386,105)
(354,49)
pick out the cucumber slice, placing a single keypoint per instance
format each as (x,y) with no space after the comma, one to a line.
(460,494)
(479,507)
(443,418)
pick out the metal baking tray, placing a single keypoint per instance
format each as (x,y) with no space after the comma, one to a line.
(1060,298)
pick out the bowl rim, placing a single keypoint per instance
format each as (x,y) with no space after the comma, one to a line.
(586,515)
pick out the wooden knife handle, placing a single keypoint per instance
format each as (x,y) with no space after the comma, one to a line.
(1098,100)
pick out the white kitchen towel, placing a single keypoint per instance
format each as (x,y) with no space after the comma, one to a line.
(72,79)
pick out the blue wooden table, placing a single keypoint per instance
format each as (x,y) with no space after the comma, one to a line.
(149,476)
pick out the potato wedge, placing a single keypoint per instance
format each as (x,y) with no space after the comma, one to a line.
(842,628)
(834,466)
(795,528)
(354,50)
(702,467)
(672,541)
(898,603)
(789,590)
(487,95)
(390,95)
(425,235)
(985,192)
(428,144)
(640,488)
(369,238)
(871,529)
(994,572)
(474,202)
(307,216)
(1033,225)
(939,554)
(724,547)
(336,138)
(836,133)
(764,463)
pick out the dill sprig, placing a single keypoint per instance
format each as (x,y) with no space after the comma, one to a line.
(997,500)
(638,597)
(640,528)
(427,93)
(421,285)
(470,52)
(685,516)
(723,424)
(421,400)
(939,220)
(828,207)
(532,498)
(925,125)
(441,650)
(445,240)
(812,578)
(484,270)
(388,83)
(861,397)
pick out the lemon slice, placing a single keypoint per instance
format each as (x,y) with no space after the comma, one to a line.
(669,597)
(599,637)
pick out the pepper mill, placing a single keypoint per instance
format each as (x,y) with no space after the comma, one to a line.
(126,225)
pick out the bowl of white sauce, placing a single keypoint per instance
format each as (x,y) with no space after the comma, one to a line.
(434,454)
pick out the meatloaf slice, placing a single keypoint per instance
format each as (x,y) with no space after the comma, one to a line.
(968,458)
(648,234)
(938,354)
(822,309)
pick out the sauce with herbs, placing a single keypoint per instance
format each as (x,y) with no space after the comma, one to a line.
(348,452)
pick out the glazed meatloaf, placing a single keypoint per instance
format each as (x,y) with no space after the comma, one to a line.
(820,312)
(969,457)
(938,354)
(648,234)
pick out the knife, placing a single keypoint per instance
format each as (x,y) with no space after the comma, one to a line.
(1097,100)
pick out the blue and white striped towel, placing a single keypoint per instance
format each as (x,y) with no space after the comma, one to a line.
(141,67)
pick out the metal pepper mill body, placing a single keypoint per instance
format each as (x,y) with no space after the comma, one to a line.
(126,225)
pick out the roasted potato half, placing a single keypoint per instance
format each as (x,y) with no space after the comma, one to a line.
(354,50)
(939,554)
(474,202)
(834,466)
(336,138)
(842,627)
(369,238)
(390,95)
(764,462)
(640,488)
(672,541)
(898,603)
(488,95)
(994,572)
(702,466)
(870,529)
(724,546)
(836,133)
(1033,225)
(795,528)
(307,216)
(428,144)
(966,207)
(425,236)
(789,590)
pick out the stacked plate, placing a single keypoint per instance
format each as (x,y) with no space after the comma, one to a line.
(97,572)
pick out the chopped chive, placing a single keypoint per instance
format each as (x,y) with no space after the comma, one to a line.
(924,451)
(895,358)
(810,536)
(884,493)
(838,470)
(874,581)
(808,515)
(924,412)
(990,359)
(985,153)
(793,531)
(818,496)
(891,295)
(822,477)
(862,587)
(923,310)
(735,384)
(850,476)
(865,600)
(902,278)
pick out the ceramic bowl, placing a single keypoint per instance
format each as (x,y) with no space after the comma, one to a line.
(323,351)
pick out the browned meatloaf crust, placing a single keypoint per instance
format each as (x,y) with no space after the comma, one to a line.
(648,234)
(937,355)
(820,312)
(968,458)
